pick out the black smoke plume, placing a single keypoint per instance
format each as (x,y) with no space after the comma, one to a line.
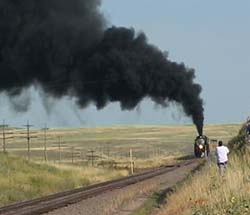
(64,47)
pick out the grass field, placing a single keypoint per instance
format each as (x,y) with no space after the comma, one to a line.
(22,180)
(147,142)
(217,195)
(151,145)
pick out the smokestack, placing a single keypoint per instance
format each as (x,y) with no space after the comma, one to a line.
(65,48)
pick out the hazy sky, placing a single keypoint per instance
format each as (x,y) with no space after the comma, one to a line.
(210,36)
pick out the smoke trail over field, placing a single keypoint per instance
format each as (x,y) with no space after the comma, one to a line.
(65,48)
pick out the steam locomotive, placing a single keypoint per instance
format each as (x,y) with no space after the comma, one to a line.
(201,146)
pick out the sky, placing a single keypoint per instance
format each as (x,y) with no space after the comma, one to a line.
(210,36)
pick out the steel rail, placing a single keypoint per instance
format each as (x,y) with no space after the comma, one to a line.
(58,200)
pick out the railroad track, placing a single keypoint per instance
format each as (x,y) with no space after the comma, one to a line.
(58,200)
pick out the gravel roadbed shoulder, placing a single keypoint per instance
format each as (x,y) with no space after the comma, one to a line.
(124,201)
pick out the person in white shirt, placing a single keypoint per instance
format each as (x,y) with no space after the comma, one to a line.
(222,158)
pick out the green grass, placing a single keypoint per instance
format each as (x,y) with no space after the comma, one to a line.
(22,180)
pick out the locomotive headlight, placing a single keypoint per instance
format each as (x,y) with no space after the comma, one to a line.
(200,146)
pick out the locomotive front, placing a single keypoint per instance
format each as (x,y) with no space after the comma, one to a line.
(201,146)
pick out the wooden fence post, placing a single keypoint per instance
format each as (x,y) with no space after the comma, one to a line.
(131,161)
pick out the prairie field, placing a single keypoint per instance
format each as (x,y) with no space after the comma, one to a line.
(146,142)
(151,146)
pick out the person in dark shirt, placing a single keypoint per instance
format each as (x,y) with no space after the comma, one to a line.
(248,126)
(248,130)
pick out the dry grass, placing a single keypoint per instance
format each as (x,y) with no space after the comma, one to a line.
(152,146)
(115,142)
(22,180)
(207,193)
(92,174)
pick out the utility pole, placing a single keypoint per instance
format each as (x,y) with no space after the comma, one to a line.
(75,154)
(28,137)
(4,143)
(60,146)
(92,156)
(45,129)
(4,137)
